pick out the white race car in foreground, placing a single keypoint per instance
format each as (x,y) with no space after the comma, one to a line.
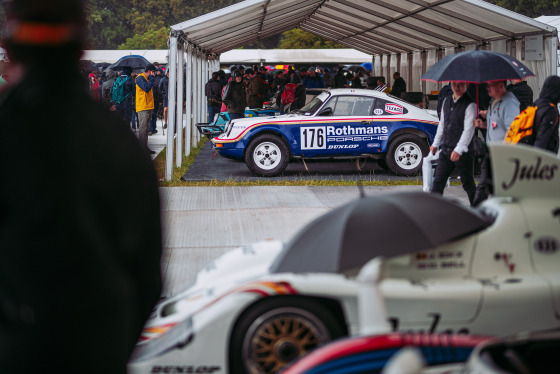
(449,268)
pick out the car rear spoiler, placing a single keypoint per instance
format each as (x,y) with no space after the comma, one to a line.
(524,171)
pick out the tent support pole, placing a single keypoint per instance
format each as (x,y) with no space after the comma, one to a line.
(188,83)
(171,107)
(179,122)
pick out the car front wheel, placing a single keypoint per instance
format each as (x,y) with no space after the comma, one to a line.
(405,153)
(267,155)
(275,332)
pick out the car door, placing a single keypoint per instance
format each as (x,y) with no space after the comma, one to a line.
(340,128)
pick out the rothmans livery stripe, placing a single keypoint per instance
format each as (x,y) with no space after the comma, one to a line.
(321,121)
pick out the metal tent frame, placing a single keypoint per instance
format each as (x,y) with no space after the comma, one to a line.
(404,35)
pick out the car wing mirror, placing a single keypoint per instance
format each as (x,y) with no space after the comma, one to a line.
(326,112)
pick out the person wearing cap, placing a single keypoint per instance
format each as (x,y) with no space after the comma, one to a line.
(312,79)
(80,242)
(145,102)
(257,89)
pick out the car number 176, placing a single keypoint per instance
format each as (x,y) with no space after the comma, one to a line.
(313,137)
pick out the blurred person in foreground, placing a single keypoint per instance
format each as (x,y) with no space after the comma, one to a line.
(80,240)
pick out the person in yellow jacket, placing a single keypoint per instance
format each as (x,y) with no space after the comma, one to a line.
(145,102)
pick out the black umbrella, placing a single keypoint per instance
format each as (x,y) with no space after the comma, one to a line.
(477,67)
(88,65)
(390,225)
(356,68)
(136,62)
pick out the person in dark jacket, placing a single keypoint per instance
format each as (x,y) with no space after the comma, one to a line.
(545,126)
(256,89)
(107,88)
(399,85)
(356,81)
(234,96)
(157,101)
(455,138)
(164,91)
(522,91)
(80,241)
(213,90)
(340,80)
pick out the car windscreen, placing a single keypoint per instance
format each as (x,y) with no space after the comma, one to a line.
(314,104)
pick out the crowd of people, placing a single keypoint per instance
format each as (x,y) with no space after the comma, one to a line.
(499,105)
(253,87)
(139,99)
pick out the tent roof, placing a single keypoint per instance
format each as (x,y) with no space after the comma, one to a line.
(370,26)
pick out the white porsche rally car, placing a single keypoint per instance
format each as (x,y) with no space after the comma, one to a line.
(488,271)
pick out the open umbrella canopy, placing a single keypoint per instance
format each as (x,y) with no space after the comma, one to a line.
(348,237)
(136,62)
(367,66)
(88,65)
(477,67)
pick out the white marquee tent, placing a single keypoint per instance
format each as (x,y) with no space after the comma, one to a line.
(404,35)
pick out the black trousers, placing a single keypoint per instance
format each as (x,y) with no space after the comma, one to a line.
(465,168)
(485,185)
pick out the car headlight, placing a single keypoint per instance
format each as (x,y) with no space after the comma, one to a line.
(179,336)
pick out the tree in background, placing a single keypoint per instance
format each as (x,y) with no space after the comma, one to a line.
(530,8)
(108,24)
(299,39)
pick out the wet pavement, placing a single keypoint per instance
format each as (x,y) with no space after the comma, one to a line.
(209,165)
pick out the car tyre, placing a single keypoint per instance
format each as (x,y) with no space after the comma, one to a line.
(405,153)
(267,155)
(278,330)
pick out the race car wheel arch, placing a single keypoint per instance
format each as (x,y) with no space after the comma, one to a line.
(276,330)
(405,153)
(267,154)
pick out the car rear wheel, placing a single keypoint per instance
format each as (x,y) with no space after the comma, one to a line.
(267,155)
(405,153)
(278,331)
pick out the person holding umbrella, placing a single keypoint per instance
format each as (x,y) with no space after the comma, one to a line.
(145,102)
(455,138)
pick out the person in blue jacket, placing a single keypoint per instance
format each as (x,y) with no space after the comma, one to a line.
(312,79)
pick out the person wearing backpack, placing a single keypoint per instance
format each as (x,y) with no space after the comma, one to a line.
(502,110)
(545,125)
(122,95)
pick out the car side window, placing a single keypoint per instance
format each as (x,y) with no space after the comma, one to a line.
(388,108)
(351,105)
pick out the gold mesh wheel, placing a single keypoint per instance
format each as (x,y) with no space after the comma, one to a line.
(279,337)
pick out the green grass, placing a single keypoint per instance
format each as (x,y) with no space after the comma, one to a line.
(159,164)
